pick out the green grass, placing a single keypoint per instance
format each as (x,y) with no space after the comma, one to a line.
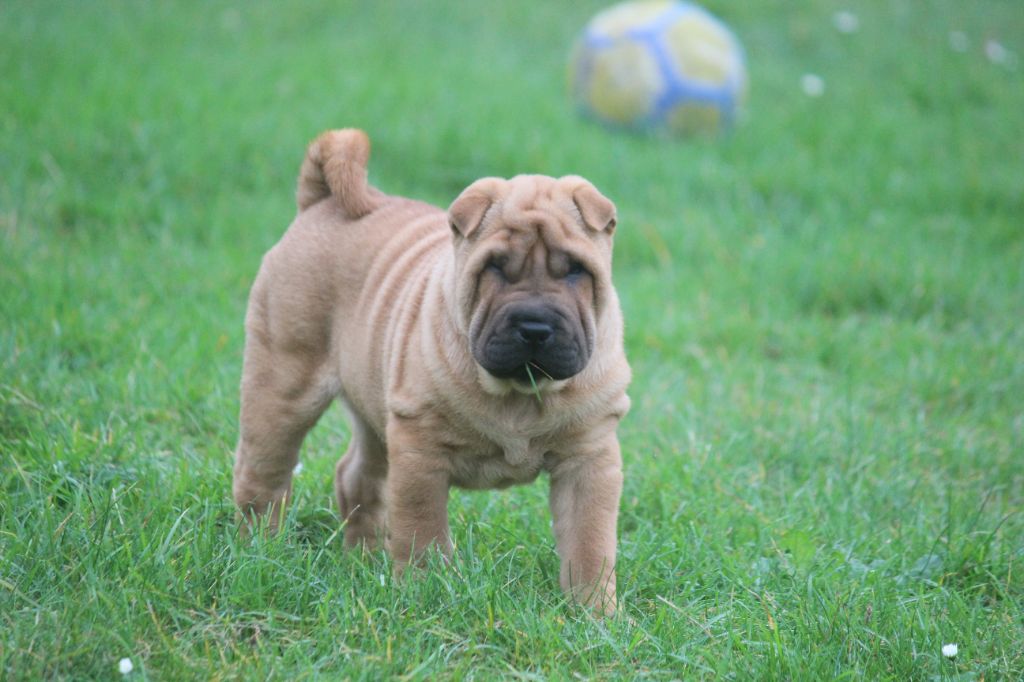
(825,457)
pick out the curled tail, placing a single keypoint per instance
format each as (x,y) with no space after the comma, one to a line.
(336,164)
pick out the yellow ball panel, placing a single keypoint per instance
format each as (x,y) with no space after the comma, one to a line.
(688,118)
(615,21)
(624,83)
(701,50)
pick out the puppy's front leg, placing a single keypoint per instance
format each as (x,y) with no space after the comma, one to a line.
(417,498)
(585,491)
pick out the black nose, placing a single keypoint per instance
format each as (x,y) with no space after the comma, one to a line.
(534,334)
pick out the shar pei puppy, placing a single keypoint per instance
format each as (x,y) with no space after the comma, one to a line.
(476,347)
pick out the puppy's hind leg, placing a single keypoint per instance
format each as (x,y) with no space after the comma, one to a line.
(283,396)
(358,483)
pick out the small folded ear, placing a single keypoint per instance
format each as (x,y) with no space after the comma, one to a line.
(469,208)
(597,210)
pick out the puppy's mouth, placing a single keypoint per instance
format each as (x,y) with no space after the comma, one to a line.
(527,369)
(529,373)
(496,385)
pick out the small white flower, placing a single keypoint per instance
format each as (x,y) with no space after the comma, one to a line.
(297,470)
(958,41)
(812,85)
(949,650)
(845,22)
(382,580)
(125,666)
(996,53)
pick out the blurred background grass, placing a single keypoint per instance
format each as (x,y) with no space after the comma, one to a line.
(824,460)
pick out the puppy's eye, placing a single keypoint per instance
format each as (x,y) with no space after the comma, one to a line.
(497,265)
(576,269)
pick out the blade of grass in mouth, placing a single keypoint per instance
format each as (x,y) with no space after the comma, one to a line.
(533,382)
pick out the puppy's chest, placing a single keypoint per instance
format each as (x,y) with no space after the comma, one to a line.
(498,463)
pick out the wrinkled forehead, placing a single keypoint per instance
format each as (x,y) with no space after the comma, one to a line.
(536,209)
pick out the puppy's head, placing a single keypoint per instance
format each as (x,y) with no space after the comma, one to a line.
(533,257)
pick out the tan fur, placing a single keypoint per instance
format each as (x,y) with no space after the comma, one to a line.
(372,299)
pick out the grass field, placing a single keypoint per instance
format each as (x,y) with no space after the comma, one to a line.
(825,457)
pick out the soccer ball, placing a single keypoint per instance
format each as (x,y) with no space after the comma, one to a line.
(658,64)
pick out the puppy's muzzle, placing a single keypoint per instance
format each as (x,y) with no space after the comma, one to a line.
(543,339)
